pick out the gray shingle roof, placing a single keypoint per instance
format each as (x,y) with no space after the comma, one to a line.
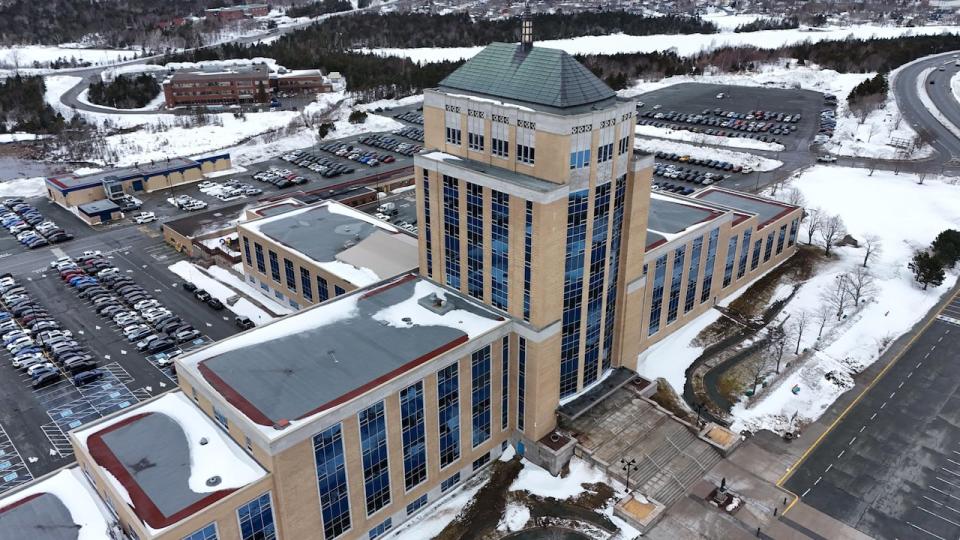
(538,76)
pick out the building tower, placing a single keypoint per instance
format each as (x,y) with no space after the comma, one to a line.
(526,28)
(529,195)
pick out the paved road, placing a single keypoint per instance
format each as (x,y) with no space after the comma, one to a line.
(943,141)
(891,465)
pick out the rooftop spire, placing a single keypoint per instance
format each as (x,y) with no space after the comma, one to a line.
(526,28)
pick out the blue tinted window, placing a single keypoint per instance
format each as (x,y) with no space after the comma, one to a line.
(413,432)
(480,394)
(527,264)
(744,254)
(780,238)
(332,482)
(246,250)
(706,290)
(475,240)
(258,249)
(451,230)
(322,292)
(417,504)
(373,449)
(693,274)
(505,383)
(598,266)
(676,283)
(339,290)
(288,271)
(656,301)
(274,267)
(306,284)
(755,260)
(426,222)
(499,248)
(731,258)
(256,519)
(613,279)
(448,411)
(449,483)
(793,231)
(768,250)
(381,528)
(521,380)
(207,533)
(577,204)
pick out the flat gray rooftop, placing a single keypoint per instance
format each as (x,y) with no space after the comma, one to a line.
(123,173)
(43,517)
(520,179)
(674,217)
(300,367)
(317,232)
(654,238)
(154,451)
(765,210)
(95,207)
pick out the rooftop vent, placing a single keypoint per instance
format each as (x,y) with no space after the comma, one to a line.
(213,481)
(203,441)
(436,304)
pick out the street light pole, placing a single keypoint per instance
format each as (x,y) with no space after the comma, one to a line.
(628,467)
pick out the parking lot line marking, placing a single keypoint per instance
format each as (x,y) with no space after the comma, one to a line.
(926,531)
(862,428)
(899,386)
(818,480)
(840,455)
(884,404)
(919,364)
(938,516)
(944,492)
(828,468)
(873,416)
(851,441)
(805,493)
(952,461)
(926,355)
(892,394)
(949,471)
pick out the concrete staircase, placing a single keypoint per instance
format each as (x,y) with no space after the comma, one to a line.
(674,465)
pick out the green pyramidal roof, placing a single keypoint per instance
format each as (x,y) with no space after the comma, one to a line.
(537,76)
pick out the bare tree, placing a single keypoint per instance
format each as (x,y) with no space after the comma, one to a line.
(921,174)
(871,166)
(797,327)
(814,222)
(838,297)
(777,344)
(872,248)
(795,197)
(832,230)
(859,283)
(823,315)
(758,366)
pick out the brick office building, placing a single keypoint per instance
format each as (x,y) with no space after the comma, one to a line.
(238,85)
(237,13)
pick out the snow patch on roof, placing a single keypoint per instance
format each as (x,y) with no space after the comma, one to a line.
(76,493)
(416,315)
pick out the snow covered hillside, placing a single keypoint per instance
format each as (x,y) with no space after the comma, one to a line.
(683,44)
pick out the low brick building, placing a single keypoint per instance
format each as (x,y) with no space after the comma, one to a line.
(237,85)
(237,13)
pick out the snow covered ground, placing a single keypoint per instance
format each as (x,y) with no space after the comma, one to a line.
(24,56)
(243,307)
(683,44)
(670,357)
(226,277)
(23,187)
(702,138)
(533,479)
(728,23)
(19,137)
(906,216)
(737,158)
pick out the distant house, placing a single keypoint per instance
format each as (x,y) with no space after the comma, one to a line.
(236,13)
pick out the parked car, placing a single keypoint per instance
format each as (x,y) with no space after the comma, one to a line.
(87,377)
(45,380)
(201,295)
(243,322)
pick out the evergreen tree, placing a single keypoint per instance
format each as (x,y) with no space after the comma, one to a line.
(927,269)
(946,247)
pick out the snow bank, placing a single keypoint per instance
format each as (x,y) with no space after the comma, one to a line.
(226,277)
(220,456)
(78,496)
(19,137)
(23,187)
(515,516)
(702,138)
(242,307)
(683,44)
(905,216)
(670,357)
(737,158)
(539,481)
(955,86)
(431,521)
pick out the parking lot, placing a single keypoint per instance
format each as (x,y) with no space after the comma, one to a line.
(33,422)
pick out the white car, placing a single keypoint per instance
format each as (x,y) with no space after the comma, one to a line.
(59,261)
(144,217)
(826,159)
(37,367)
(746,170)
(146,304)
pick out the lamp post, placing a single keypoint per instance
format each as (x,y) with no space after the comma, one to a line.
(628,468)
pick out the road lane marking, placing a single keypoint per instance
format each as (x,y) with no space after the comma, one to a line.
(805,493)
(899,386)
(892,394)
(828,468)
(840,455)
(851,441)
(884,404)
(862,428)
(873,416)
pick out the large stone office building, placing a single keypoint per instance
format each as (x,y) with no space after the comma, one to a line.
(545,264)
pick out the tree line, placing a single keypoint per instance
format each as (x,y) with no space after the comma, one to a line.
(409,30)
(125,92)
(23,108)
(314,9)
(377,77)
(785,23)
